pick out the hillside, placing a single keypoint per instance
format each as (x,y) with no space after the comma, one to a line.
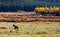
(26,5)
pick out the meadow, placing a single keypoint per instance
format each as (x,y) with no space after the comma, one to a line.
(30,29)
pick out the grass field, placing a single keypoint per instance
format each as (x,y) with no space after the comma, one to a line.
(27,35)
(31,29)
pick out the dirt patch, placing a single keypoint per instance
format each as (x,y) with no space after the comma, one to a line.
(3,28)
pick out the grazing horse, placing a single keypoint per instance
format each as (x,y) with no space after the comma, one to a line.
(15,27)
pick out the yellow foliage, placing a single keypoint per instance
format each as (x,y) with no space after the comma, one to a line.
(54,9)
(46,9)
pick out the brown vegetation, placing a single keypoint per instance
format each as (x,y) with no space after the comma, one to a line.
(3,28)
(42,33)
(27,17)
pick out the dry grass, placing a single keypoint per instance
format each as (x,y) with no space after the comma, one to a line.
(44,29)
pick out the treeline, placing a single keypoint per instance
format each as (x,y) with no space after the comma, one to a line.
(26,5)
(9,9)
(29,2)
